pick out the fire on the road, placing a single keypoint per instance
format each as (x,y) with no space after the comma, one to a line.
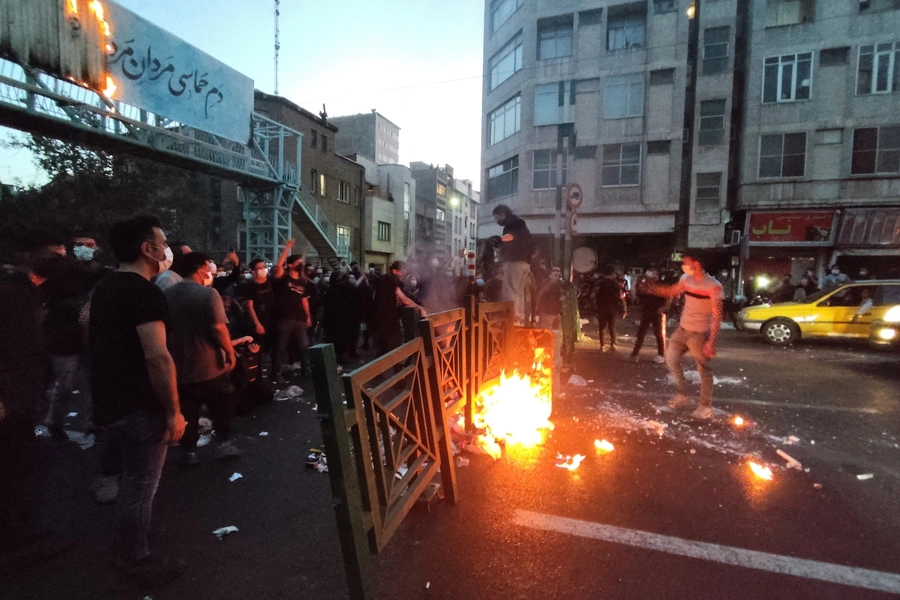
(761,471)
(603,446)
(570,462)
(517,409)
(738,421)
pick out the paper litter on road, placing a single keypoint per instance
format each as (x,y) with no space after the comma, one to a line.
(235,477)
(792,463)
(72,414)
(462,461)
(577,381)
(865,476)
(263,433)
(203,440)
(289,393)
(223,531)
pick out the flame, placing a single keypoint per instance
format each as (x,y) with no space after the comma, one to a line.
(110,87)
(603,446)
(97,9)
(571,462)
(761,471)
(739,421)
(517,410)
(73,6)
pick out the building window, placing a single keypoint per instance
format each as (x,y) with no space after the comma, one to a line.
(439,214)
(659,147)
(876,150)
(505,121)
(621,164)
(314,139)
(544,169)
(550,101)
(322,181)
(782,155)
(441,189)
(343,241)
(879,69)
(624,96)
(787,78)
(715,50)
(507,62)
(712,122)
(662,76)
(501,11)
(555,38)
(384,231)
(324,143)
(590,17)
(664,6)
(314,178)
(709,191)
(789,12)
(625,31)
(503,179)
(830,57)
(343,192)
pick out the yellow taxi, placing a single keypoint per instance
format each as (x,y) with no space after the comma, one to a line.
(845,311)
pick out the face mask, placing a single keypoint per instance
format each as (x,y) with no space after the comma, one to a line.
(479,281)
(435,262)
(248,275)
(262,273)
(371,269)
(83,253)
(326,279)
(352,280)
(167,261)
(413,282)
(835,271)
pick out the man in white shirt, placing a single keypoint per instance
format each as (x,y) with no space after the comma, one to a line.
(697,331)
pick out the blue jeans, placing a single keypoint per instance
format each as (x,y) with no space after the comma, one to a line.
(690,341)
(70,373)
(141,440)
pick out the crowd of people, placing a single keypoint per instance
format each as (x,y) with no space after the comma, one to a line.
(798,289)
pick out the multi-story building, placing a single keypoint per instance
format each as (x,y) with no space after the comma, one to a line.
(462,216)
(369,134)
(819,174)
(693,124)
(389,198)
(433,228)
(333,183)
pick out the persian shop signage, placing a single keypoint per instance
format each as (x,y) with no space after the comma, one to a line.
(796,228)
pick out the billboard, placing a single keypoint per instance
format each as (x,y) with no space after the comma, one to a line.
(795,228)
(159,72)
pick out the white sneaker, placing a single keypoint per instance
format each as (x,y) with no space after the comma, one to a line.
(659,359)
(703,413)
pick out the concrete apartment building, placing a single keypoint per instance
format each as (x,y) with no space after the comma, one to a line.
(388,219)
(432,227)
(334,182)
(369,134)
(692,124)
(463,215)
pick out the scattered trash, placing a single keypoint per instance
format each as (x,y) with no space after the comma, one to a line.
(761,471)
(794,439)
(660,427)
(402,470)
(462,461)
(603,446)
(203,440)
(577,381)
(263,433)
(340,369)
(72,414)
(569,462)
(235,477)
(41,431)
(865,476)
(289,393)
(84,441)
(792,463)
(590,381)
(223,531)
(317,460)
(818,486)
(486,444)
(693,451)
(204,425)
(427,584)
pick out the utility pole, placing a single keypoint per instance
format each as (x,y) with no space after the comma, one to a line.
(277,43)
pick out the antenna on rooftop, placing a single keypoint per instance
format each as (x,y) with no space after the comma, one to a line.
(277,43)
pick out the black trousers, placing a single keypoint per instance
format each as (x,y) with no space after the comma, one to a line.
(218,396)
(607,320)
(658,323)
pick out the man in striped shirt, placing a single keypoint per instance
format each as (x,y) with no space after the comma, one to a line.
(697,331)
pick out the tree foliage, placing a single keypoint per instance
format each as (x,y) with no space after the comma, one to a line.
(89,190)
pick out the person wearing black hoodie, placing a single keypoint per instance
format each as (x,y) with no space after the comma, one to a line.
(610,303)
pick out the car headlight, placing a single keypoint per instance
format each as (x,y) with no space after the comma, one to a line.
(892,315)
(887,334)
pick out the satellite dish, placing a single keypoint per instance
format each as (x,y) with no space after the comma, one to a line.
(584,260)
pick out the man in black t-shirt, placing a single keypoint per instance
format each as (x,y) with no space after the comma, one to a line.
(260,301)
(609,301)
(653,314)
(515,252)
(389,297)
(292,315)
(134,388)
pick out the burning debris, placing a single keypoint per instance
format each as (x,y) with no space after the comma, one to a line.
(761,471)
(569,462)
(603,446)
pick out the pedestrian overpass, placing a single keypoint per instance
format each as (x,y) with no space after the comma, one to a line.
(39,100)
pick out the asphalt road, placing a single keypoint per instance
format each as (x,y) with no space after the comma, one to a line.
(626,524)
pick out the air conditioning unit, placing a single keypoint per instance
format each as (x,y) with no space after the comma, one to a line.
(732,238)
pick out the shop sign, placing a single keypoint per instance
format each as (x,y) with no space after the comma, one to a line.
(795,228)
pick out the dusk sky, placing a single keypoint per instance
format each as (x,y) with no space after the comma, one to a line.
(418,62)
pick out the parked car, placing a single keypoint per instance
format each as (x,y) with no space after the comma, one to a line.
(829,313)
(886,332)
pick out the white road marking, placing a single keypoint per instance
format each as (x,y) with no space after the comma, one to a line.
(667,395)
(729,555)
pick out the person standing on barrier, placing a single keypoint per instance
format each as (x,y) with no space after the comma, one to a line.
(515,252)
(389,298)
(697,331)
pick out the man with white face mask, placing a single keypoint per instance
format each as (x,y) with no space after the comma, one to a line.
(169,276)
(134,387)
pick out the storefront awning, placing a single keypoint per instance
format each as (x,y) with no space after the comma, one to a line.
(870,227)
